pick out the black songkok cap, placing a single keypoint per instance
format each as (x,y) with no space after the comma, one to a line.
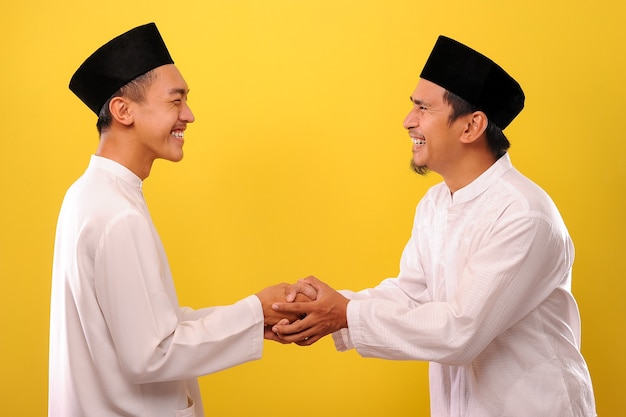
(118,62)
(475,78)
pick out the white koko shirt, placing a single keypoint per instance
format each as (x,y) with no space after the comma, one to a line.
(120,345)
(484,294)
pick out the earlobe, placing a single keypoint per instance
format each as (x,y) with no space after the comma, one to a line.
(120,110)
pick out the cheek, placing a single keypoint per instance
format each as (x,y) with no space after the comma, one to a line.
(440,131)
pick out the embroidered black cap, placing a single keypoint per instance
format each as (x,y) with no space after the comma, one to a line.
(118,62)
(475,78)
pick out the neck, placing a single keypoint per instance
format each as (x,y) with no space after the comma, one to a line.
(116,148)
(467,170)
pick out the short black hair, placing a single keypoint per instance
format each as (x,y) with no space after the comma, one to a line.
(496,139)
(134,90)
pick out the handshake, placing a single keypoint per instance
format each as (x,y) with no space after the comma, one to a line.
(302,313)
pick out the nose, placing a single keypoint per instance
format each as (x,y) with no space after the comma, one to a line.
(411,120)
(186,115)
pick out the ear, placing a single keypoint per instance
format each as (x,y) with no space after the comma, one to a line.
(476,126)
(120,110)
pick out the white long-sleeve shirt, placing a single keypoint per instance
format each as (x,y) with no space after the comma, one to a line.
(484,294)
(120,345)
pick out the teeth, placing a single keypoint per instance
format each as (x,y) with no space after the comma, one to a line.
(178,134)
(418,141)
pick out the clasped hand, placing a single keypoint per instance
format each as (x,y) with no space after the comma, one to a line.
(309,311)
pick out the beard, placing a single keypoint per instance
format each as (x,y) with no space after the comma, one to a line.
(419,169)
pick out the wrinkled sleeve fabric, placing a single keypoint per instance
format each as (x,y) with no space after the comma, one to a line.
(516,266)
(408,289)
(156,340)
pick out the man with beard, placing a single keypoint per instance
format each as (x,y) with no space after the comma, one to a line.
(484,288)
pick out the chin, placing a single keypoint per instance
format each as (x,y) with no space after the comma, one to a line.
(174,158)
(419,169)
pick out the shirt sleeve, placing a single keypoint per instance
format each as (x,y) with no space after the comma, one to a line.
(409,289)
(516,266)
(154,339)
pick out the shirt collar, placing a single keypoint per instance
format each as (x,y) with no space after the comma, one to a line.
(484,181)
(116,169)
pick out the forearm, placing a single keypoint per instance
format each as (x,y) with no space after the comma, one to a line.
(226,337)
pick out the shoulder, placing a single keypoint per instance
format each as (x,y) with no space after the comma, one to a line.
(525,194)
(97,198)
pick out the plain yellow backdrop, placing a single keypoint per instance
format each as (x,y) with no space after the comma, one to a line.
(297,164)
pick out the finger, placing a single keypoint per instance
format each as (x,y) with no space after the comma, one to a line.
(311,279)
(295,307)
(307,290)
(300,287)
(286,329)
(313,282)
(290,293)
(268,334)
(304,338)
(308,341)
(301,298)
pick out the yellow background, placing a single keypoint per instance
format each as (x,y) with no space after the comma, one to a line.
(298,164)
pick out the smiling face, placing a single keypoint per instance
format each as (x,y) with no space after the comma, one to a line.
(160,119)
(435,140)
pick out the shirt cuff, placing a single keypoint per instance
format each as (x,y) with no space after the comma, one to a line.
(256,307)
(343,337)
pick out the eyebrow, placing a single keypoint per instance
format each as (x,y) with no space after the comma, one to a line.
(180,91)
(417,102)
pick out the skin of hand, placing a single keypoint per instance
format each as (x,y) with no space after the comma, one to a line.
(299,292)
(269,334)
(325,315)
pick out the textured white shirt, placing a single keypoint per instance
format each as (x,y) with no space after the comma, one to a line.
(484,294)
(120,345)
